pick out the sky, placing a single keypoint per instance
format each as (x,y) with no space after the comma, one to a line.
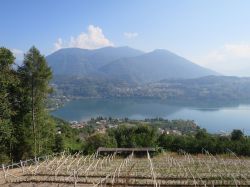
(211,33)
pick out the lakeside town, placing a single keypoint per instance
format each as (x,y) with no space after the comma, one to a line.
(171,127)
(103,125)
(164,126)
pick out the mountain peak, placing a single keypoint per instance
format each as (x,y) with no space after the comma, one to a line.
(163,52)
(159,51)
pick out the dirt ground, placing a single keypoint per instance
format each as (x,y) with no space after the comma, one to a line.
(43,185)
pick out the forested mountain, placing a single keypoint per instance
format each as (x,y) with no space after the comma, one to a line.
(124,64)
(84,62)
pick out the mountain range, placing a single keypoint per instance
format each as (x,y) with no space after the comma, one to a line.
(127,72)
(124,64)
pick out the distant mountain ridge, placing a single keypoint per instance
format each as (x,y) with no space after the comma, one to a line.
(125,64)
(84,62)
(154,66)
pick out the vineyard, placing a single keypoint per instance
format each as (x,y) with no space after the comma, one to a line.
(167,169)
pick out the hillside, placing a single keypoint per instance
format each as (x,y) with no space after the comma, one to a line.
(204,88)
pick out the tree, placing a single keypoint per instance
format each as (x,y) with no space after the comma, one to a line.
(165,141)
(145,136)
(59,143)
(236,135)
(201,134)
(99,140)
(35,75)
(134,136)
(8,81)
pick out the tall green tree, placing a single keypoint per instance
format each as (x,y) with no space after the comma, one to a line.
(97,140)
(8,82)
(134,136)
(37,129)
(237,134)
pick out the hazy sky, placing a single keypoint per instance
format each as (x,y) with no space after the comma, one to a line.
(212,33)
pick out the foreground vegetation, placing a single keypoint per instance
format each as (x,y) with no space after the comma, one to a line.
(26,128)
(149,136)
(146,133)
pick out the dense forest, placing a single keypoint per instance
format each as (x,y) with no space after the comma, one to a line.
(28,130)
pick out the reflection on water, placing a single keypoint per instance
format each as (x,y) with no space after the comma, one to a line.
(214,116)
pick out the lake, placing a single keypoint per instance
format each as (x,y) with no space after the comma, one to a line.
(214,116)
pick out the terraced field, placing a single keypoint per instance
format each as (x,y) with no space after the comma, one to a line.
(167,169)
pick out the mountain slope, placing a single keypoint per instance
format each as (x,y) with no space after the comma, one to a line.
(82,62)
(154,66)
(70,61)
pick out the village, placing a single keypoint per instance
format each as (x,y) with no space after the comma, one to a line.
(102,124)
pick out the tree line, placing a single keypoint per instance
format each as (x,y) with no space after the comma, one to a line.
(144,135)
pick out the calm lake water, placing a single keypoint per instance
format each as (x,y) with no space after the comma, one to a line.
(213,116)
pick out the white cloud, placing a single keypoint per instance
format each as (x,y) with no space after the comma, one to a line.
(18,53)
(230,59)
(238,50)
(130,35)
(58,44)
(92,39)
